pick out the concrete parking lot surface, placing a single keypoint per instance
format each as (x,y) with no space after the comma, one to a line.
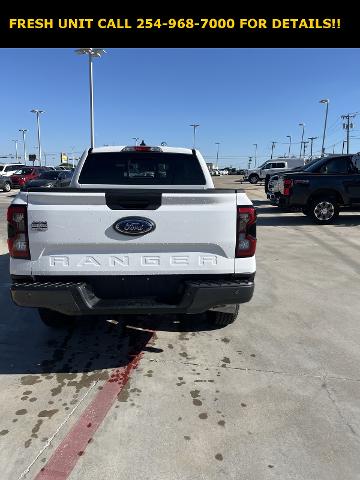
(275,395)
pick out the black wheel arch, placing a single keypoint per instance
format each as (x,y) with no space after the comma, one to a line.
(326,192)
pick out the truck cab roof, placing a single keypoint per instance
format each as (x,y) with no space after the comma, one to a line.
(120,148)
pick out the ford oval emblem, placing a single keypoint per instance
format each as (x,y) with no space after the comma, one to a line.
(134,226)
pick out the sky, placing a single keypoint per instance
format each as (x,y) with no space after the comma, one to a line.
(238,96)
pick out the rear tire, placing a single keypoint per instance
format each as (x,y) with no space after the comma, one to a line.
(324,210)
(54,319)
(222,319)
(253,179)
(7,187)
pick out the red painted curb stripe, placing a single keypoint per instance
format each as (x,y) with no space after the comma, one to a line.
(64,459)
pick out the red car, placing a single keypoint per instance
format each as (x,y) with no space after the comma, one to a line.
(25,174)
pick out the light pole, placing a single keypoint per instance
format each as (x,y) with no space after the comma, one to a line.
(38,113)
(311,144)
(136,140)
(302,137)
(194,125)
(326,101)
(305,143)
(73,156)
(217,154)
(272,149)
(91,53)
(255,145)
(24,130)
(289,136)
(16,150)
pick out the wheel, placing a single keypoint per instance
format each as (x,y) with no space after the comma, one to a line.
(253,178)
(54,319)
(7,187)
(324,210)
(221,319)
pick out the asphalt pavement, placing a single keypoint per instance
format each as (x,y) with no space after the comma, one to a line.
(275,395)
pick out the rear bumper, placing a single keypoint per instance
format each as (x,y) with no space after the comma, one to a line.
(273,198)
(76,298)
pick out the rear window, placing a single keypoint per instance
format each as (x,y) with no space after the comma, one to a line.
(52,175)
(330,165)
(141,168)
(24,171)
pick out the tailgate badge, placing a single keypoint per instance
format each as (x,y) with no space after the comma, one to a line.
(134,226)
(39,226)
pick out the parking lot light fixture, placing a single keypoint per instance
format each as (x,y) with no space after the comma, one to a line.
(24,130)
(38,113)
(289,137)
(136,140)
(302,137)
(325,101)
(272,149)
(91,53)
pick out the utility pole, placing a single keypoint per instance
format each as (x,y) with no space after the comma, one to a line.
(302,136)
(311,144)
(289,136)
(255,145)
(347,126)
(24,130)
(272,149)
(250,160)
(217,154)
(194,125)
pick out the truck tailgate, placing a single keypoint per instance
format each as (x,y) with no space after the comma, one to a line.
(195,233)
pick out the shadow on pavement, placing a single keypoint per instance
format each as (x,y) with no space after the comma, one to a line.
(4,268)
(292,219)
(347,221)
(30,348)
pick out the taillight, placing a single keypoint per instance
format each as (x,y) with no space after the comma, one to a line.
(18,239)
(246,232)
(288,183)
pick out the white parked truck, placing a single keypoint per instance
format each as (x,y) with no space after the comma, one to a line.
(271,167)
(139,230)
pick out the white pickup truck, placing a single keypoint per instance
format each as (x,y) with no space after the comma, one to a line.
(139,230)
(271,167)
